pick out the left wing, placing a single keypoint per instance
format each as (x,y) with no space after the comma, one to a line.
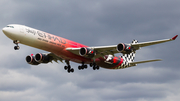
(139,62)
(143,44)
(106,50)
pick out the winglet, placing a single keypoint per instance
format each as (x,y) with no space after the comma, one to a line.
(174,37)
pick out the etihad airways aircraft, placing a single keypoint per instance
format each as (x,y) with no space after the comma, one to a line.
(66,50)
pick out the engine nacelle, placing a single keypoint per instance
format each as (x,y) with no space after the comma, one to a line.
(123,48)
(86,52)
(30,59)
(42,58)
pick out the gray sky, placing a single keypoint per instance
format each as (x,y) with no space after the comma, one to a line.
(93,23)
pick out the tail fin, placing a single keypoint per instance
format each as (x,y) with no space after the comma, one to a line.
(130,57)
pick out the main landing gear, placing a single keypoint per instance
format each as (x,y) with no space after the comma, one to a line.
(94,66)
(16,47)
(82,66)
(68,67)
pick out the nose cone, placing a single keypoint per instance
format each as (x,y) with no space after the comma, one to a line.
(8,32)
(5,30)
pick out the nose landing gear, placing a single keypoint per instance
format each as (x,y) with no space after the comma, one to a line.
(16,47)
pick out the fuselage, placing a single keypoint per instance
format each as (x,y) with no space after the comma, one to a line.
(54,44)
(45,41)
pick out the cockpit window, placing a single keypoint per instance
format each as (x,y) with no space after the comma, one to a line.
(10,26)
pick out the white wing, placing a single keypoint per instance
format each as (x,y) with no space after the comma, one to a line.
(106,50)
(143,44)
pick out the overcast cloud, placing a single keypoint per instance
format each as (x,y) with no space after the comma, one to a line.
(93,23)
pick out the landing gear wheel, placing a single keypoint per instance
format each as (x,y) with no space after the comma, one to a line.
(95,66)
(16,47)
(65,67)
(91,64)
(72,70)
(15,41)
(85,66)
(79,67)
(68,70)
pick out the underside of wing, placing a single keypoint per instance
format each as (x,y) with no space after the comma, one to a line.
(54,57)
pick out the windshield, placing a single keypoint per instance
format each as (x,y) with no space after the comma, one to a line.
(10,26)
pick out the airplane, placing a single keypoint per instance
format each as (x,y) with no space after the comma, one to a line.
(64,50)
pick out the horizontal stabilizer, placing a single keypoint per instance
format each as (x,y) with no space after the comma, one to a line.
(135,63)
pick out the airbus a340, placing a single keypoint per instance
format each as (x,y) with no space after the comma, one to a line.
(66,50)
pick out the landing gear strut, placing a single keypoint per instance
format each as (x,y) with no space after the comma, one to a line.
(16,47)
(68,67)
(82,66)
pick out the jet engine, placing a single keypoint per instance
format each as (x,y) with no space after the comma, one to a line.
(42,58)
(123,48)
(86,52)
(30,59)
